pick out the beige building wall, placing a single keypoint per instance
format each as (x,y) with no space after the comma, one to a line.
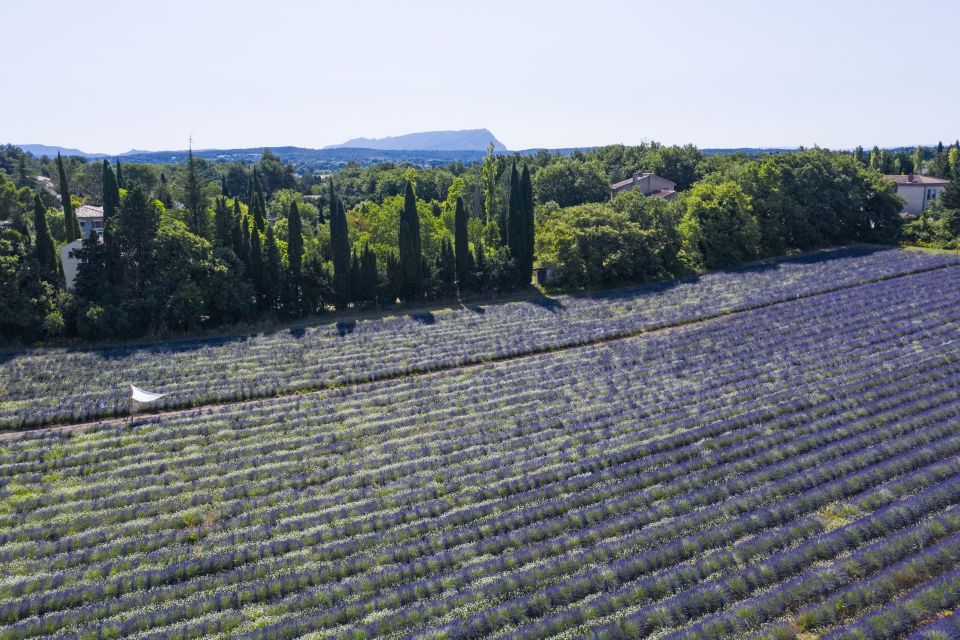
(69,262)
(918,196)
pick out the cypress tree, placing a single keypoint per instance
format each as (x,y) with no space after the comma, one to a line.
(245,243)
(163,191)
(46,253)
(339,250)
(257,202)
(196,205)
(409,244)
(480,269)
(70,221)
(222,223)
(515,221)
(369,275)
(120,181)
(294,242)
(137,223)
(23,176)
(110,195)
(394,279)
(525,262)
(92,270)
(257,274)
(950,199)
(461,246)
(111,199)
(236,232)
(447,269)
(294,260)
(273,268)
(356,277)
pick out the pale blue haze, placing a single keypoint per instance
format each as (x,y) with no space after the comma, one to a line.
(551,74)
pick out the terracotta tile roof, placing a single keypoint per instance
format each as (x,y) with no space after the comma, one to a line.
(86,211)
(916,179)
(628,181)
(662,193)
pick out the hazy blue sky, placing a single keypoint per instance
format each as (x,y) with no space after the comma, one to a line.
(109,76)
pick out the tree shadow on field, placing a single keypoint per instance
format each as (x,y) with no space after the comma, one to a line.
(345,327)
(548,303)
(424,317)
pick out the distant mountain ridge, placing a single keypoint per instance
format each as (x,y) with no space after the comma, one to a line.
(327,159)
(40,150)
(464,140)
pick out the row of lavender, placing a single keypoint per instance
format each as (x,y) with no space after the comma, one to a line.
(49,386)
(747,475)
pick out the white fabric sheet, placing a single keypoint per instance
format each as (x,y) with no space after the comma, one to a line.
(140,395)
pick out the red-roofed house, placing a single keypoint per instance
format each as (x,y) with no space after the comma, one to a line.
(648,184)
(919,191)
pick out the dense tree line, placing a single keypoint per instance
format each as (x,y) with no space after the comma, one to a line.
(201,244)
(196,250)
(742,210)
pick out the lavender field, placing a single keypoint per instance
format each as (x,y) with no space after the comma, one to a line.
(65,385)
(790,471)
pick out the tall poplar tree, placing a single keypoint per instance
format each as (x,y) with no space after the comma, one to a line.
(409,244)
(461,246)
(477,210)
(918,159)
(339,250)
(489,174)
(46,252)
(858,155)
(70,222)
